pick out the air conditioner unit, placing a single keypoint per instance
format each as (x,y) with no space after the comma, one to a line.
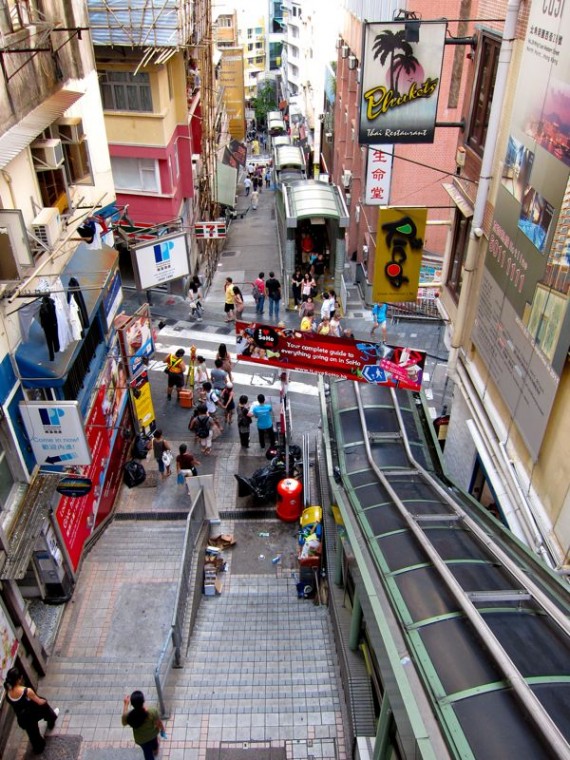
(47,226)
(346,178)
(357,214)
(70,130)
(328,137)
(47,154)
(344,51)
(352,62)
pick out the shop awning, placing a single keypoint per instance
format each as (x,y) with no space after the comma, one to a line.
(226,184)
(93,270)
(18,137)
(457,196)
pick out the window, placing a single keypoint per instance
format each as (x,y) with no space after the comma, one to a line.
(77,165)
(138,174)
(52,189)
(483,93)
(461,229)
(225,21)
(123,91)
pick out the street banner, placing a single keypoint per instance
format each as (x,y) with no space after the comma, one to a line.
(365,361)
(398,259)
(162,260)
(378,175)
(136,340)
(56,432)
(400,82)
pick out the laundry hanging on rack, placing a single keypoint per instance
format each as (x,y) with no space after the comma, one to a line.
(75,293)
(26,315)
(48,320)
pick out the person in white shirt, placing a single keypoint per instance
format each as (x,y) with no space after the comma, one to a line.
(328,306)
(247,185)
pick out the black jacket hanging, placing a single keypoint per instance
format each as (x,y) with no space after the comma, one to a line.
(79,300)
(48,320)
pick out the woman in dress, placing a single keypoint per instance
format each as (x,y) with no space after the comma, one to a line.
(308,287)
(201,372)
(227,403)
(238,301)
(296,284)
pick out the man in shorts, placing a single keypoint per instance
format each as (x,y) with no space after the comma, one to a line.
(229,304)
(175,368)
(380,317)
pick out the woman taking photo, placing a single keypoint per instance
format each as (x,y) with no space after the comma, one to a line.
(29,708)
(226,360)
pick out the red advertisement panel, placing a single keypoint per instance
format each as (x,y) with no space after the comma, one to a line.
(368,362)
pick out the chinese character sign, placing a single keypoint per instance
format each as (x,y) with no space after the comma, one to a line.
(399,246)
(378,175)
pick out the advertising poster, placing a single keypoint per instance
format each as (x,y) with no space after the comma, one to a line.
(8,644)
(135,339)
(400,83)
(523,325)
(56,432)
(142,403)
(158,262)
(398,259)
(378,175)
(365,361)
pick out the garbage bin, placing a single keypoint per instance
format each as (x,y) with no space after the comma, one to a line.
(289,503)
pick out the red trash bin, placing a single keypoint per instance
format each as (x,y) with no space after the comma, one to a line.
(289,502)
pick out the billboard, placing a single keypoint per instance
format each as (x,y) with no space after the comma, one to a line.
(136,339)
(378,175)
(398,259)
(365,361)
(158,262)
(231,81)
(56,432)
(522,328)
(400,83)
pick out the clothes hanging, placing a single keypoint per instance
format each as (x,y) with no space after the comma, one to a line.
(74,320)
(26,315)
(48,320)
(63,325)
(77,296)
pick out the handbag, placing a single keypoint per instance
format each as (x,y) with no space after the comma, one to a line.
(180,479)
(167,457)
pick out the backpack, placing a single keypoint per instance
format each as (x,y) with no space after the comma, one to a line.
(133,473)
(202,426)
(255,292)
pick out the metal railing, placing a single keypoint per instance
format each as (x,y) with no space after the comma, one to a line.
(171,653)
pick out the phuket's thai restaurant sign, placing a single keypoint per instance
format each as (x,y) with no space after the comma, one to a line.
(400,83)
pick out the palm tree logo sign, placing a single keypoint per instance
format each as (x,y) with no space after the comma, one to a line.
(405,80)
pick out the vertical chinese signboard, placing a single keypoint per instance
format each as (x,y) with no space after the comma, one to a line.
(378,175)
(400,83)
(398,260)
(523,325)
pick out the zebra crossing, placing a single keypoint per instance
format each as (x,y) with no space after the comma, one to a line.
(181,335)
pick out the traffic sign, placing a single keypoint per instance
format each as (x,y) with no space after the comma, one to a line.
(372,373)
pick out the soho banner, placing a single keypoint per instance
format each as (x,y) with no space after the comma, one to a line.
(398,259)
(365,361)
(400,83)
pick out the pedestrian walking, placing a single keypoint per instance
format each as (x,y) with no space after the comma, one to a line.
(247,186)
(227,403)
(243,421)
(307,308)
(273,290)
(324,327)
(212,402)
(258,292)
(319,270)
(229,300)
(219,376)
(162,452)
(175,369)
(30,708)
(146,723)
(254,199)
(239,303)
(335,328)
(327,306)
(200,372)
(194,299)
(226,359)
(202,425)
(380,316)
(296,285)
(268,177)
(307,323)
(263,414)
(186,463)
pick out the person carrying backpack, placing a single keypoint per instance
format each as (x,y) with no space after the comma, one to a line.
(201,424)
(258,293)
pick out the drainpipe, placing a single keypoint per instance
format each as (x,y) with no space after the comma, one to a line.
(475,251)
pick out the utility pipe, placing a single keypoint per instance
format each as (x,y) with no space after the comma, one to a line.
(473,256)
